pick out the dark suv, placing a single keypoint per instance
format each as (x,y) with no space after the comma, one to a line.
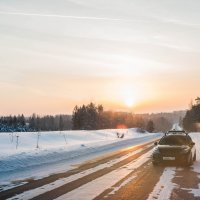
(175,147)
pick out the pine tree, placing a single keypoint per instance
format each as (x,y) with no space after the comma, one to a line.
(191,120)
(150,126)
(32,122)
(61,123)
(86,117)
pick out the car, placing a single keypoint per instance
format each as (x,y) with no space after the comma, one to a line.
(174,147)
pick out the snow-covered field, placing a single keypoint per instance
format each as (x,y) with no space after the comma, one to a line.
(29,155)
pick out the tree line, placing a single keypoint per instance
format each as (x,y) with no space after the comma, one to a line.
(10,123)
(50,123)
(35,123)
(191,121)
(92,117)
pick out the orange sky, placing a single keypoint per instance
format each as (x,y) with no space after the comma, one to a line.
(134,56)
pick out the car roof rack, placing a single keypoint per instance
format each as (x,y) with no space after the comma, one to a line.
(174,132)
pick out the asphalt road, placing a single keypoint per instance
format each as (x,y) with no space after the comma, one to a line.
(123,175)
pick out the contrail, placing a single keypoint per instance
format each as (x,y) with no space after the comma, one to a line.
(63,16)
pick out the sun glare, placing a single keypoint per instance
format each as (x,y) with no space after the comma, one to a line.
(129,102)
(128,95)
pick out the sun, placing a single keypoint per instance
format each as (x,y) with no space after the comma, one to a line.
(129,102)
(127,95)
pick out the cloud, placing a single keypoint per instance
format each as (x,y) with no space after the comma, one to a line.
(64,16)
(180,22)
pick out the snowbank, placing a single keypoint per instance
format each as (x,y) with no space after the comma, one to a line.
(58,147)
(65,140)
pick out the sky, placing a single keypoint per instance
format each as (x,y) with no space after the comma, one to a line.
(129,55)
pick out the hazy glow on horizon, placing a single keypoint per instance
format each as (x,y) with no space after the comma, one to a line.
(141,56)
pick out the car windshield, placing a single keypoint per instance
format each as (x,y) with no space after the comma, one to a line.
(175,140)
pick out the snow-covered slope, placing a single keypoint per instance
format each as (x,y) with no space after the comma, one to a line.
(66,140)
(24,160)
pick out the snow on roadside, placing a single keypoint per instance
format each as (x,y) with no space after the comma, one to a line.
(90,190)
(53,185)
(164,187)
(196,166)
(196,138)
(27,161)
(64,140)
(195,192)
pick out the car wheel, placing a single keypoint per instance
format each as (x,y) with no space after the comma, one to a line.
(195,156)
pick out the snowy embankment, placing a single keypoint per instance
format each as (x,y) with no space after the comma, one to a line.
(25,155)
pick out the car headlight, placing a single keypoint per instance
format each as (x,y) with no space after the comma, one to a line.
(186,150)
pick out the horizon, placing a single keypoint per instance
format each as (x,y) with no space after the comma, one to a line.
(140,57)
(117,111)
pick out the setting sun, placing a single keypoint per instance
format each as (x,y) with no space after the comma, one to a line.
(129,102)
(128,95)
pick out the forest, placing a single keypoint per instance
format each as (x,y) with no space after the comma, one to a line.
(191,121)
(93,117)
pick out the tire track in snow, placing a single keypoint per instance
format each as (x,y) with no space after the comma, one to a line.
(96,187)
(187,179)
(48,180)
(56,184)
(53,194)
(165,186)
